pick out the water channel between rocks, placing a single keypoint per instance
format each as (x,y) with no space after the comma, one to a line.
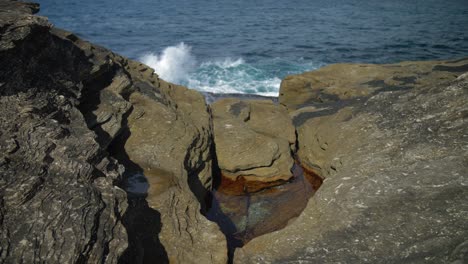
(245,216)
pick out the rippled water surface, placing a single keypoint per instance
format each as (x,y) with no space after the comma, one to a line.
(249,46)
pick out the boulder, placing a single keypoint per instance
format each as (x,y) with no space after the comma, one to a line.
(254,140)
(395,188)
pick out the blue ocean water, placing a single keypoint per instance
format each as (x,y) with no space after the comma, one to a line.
(246,46)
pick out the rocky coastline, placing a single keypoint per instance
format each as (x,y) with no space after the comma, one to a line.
(79,124)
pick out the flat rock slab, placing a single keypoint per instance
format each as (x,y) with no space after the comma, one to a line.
(345,81)
(396,182)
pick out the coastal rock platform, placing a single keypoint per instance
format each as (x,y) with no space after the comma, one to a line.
(395,173)
(102,161)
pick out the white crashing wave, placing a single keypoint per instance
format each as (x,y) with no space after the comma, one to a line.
(177,64)
(174,63)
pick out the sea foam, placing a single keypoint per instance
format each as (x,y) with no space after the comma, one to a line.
(177,64)
(173,64)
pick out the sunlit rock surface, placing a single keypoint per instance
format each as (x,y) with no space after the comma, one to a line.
(254,140)
(395,168)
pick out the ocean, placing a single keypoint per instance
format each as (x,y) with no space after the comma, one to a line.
(248,46)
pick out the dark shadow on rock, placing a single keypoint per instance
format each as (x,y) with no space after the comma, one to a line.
(458,60)
(384,87)
(324,109)
(196,186)
(455,69)
(143,223)
(214,213)
(406,80)
(90,100)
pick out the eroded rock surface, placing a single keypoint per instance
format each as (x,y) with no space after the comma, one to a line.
(169,139)
(396,182)
(58,199)
(345,81)
(68,108)
(254,140)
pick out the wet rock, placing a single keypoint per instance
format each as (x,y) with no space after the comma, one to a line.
(244,217)
(395,183)
(254,140)
(345,81)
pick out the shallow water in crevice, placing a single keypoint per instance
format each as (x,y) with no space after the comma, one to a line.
(242,216)
(246,216)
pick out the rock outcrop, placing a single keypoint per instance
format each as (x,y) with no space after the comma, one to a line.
(395,169)
(254,140)
(169,139)
(78,123)
(346,81)
(58,199)
(72,113)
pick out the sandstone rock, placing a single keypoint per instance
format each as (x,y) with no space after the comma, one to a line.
(69,110)
(395,189)
(345,81)
(254,140)
(169,138)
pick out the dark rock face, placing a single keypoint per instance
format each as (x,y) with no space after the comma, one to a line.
(58,200)
(395,188)
(72,114)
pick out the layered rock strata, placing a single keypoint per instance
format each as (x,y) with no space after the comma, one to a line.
(76,120)
(254,140)
(66,104)
(58,199)
(169,139)
(395,168)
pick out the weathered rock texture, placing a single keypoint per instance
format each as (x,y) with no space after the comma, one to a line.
(254,140)
(65,105)
(396,177)
(169,139)
(345,81)
(58,200)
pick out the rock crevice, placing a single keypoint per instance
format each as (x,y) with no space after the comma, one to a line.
(79,124)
